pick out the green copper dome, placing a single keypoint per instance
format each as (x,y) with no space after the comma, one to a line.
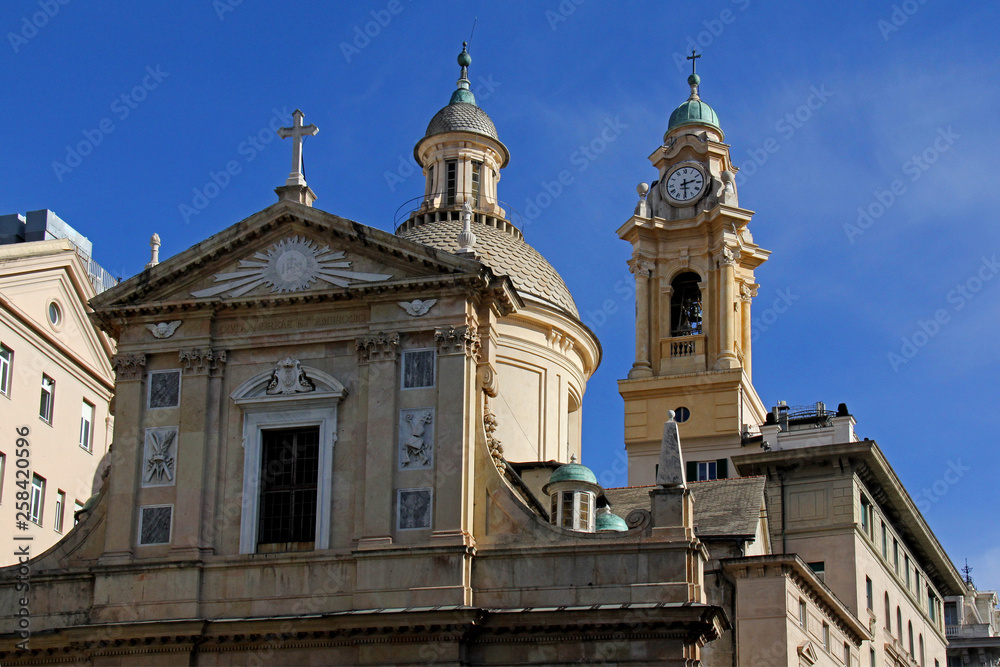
(573,472)
(610,522)
(693,111)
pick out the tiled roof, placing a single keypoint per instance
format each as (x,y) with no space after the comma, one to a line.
(506,254)
(462,116)
(722,507)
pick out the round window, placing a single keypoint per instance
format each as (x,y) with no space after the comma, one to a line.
(681,415)
(55,314)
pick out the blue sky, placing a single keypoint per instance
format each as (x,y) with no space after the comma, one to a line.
(901,125)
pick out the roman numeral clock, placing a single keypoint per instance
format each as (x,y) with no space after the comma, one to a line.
(684,184)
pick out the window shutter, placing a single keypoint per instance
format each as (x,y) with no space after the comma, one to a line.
(722,468)
(692,471)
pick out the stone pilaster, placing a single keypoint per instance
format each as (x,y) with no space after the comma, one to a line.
(378,354)
(643,270)
(126,452)
(746,298)
(727,298)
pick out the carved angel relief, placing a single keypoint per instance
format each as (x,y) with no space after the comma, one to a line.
(290,265)
(416,308)
(288,377)
(163,329)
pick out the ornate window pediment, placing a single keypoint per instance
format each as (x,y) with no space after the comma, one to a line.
(289,396)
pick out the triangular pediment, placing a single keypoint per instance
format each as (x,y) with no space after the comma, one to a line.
(288,250)
(31,285)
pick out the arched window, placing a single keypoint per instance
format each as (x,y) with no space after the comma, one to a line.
(909,630)
(899,624)
(685,305)
(888,613)
(921,650)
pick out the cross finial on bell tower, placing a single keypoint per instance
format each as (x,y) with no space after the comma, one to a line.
(694,61)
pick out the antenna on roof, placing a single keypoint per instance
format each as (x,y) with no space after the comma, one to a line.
(473,30)
(967,571)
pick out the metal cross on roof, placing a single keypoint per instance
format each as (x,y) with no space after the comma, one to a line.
(297,131)
(694,61)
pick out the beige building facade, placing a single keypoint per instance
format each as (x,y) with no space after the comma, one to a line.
(56,385)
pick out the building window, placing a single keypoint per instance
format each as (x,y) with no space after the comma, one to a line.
(87,426)
(77,506)
(867,515)
(6,362)
(451,182)
(47,399)
(60,509)
(430,180)
(950,613)
(699,471)
(164,389)
(288,477)
(476,181)
(3,472)
(909,632)
(819,569)
(826,635)
(869,593)
(55,314)
(573,510)
(155,523)
(802,614)
(895,554)
(906,562)
(37,499)
(921,645)
(899,624)
(885,542)
(888,613)
(847,654)
(685,305)
(418,369)
(872,660)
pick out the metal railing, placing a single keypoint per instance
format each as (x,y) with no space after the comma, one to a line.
(483,206)
(99,277)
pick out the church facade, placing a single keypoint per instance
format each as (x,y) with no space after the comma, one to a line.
(360,448)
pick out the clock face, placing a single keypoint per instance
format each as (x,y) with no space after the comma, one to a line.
(685,184)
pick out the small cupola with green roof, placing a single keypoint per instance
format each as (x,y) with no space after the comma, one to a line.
(573,491)
(694,112)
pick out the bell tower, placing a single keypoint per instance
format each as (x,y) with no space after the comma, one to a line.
(693,258)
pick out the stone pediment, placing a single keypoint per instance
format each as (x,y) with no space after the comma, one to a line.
(285,252)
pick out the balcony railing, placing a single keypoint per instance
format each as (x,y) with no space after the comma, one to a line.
(951,631)
(686,346)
